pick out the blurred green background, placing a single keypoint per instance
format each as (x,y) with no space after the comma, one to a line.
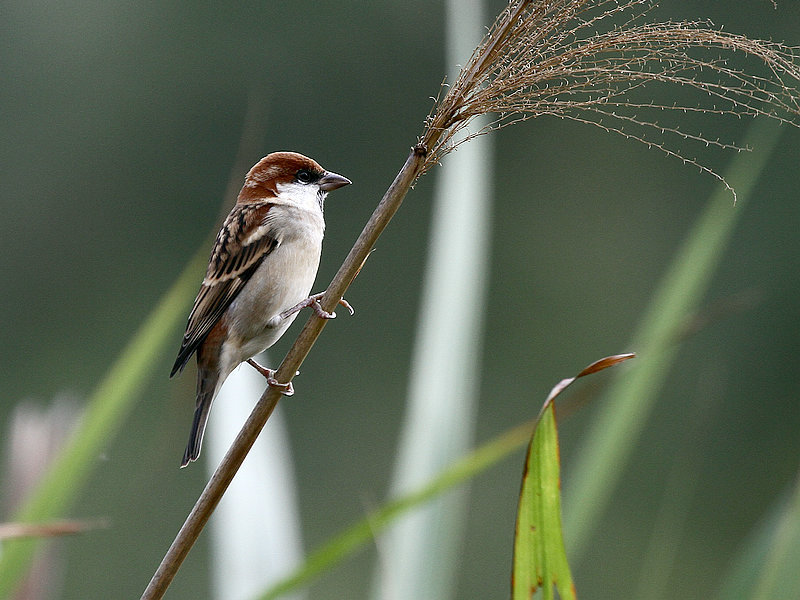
(119,126)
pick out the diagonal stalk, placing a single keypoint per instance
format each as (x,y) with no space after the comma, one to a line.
(230,464)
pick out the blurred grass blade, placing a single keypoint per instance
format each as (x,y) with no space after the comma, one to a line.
(256,534)
(363,532)
(631,397)
(105,411)
(418,556)
(780,574)
(355,536)
(768,568)
(540,559)
(681,481)
(10,531)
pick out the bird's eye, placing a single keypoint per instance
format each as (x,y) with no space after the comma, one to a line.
(304,176)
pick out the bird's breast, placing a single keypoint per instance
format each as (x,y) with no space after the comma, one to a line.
(284,278)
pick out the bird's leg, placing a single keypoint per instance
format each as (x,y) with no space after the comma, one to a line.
(287,389)
(313,302)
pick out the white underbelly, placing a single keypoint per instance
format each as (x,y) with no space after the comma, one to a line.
(268,293)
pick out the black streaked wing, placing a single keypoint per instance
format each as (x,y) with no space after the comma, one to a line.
(232,263)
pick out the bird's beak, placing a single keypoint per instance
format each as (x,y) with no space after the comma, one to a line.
(332,181)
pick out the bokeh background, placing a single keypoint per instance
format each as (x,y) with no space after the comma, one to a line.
(119,126)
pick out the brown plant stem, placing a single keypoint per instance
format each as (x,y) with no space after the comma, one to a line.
(233,459)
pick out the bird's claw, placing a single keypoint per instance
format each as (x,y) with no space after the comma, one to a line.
(287,389)
(346,304)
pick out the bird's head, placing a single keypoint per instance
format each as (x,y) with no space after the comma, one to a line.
(292,176)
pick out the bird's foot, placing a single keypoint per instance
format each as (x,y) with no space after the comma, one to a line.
(313,302)
(287,389)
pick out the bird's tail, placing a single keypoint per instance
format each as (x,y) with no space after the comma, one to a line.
(206,391)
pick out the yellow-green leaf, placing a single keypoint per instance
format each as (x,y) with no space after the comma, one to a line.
(540,560)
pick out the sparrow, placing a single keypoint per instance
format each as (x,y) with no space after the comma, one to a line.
(262,266)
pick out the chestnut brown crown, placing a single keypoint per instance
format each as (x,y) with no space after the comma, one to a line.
(286,167)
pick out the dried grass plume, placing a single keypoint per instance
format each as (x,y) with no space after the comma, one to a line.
(601,62)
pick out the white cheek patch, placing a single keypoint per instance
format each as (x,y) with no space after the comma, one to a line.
(304,195)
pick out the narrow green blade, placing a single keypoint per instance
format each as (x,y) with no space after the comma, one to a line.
(540,559)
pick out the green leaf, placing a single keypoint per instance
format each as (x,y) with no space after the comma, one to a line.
(540,559)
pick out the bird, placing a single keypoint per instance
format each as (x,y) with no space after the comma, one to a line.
(259,276)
